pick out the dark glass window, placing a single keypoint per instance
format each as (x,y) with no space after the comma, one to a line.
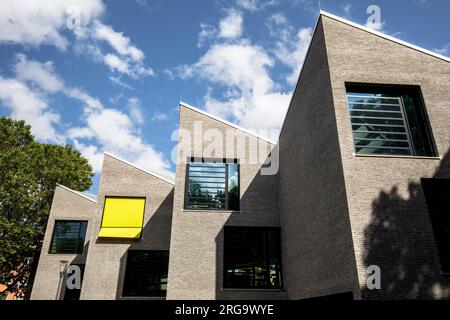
(146,274)
(252,258)
(389,120)
(212,185)
(74,294)
(437,193)
(68,237)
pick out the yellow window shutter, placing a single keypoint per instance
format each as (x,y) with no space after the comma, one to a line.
(122,217)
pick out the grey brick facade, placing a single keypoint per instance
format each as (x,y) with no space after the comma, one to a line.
(338,212)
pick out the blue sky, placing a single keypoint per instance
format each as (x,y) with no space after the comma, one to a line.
(108,75)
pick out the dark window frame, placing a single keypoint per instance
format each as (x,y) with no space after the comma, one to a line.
(278,253)
(214,160)
(415,92)
(436,222)
(153,294)
(79,231)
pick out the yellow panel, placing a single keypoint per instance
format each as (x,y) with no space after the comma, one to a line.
(123,213)
(129,233)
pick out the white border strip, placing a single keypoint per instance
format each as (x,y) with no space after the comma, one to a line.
(380,34)
(226,122)
(139,168)
(81,194)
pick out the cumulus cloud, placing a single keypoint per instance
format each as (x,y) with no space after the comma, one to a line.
(159,116)
(118,41)
(241,69)
(291,45)
(135,109)
(252,100)
(60,22)
(255,5)
(25,104)
(101,128)
(41,74)
(42,22)
(231,26)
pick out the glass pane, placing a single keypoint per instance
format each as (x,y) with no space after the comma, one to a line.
(146,274)
(68,237)
(206,186)
(233,186)
(381,143)
(252,258)
(399,110)
(376,114)
(376,121)
(374,107)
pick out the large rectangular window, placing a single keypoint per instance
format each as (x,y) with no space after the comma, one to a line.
(146,274)
(68,237)
(437,193)
(389,120)
(212,185)
(252,258)
(122,218)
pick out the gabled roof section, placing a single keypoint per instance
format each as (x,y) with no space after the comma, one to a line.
(166,179)
(385,36)
(225,122)
(89,197)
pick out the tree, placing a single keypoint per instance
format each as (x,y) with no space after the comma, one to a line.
(29,172)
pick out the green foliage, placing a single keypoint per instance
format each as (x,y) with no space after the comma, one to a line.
(29,172)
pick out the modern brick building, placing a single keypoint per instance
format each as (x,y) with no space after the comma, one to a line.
(363,180)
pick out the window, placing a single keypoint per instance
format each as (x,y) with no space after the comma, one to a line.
(68,237)
(437,193)
(252,258)
(212,185)
(74,294)
(146,274)
(389,120)
(122,218)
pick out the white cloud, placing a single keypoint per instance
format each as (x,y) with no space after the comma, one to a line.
(114,132)
(347,7)
(207,32)
(135,109)
(118,81)
(444,50)
(118,41)
(116,64)
(231,26)
(291,45)
(42,22)
(160,116)
(76,22)
(25,104)
(255,5)
(254,101)
(122,65)
(41,74)
(101,128)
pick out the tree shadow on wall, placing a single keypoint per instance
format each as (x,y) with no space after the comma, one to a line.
(400,241)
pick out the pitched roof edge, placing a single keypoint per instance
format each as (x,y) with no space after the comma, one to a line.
(78,193)
(184,104)
(139,168)
(385,36)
